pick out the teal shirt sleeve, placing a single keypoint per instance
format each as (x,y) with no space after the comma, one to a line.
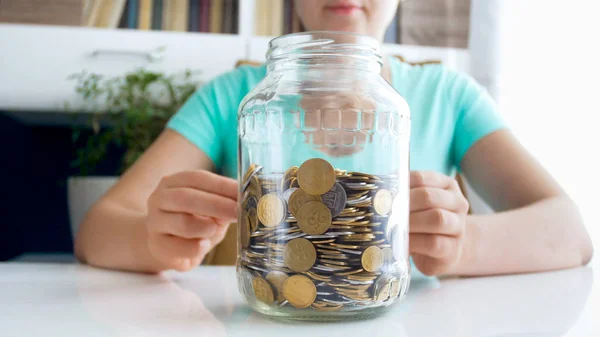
(477,115)
(210,114)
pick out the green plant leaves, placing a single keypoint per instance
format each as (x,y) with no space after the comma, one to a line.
(129,110)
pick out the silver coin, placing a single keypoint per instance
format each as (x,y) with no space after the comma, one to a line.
(250,203)
(353,219)
(349,251)
(359,200)
(359,185)
(320,237)
(258,268)
(336,302)
(324,268)
(335,199)
(358,282)
(286,195)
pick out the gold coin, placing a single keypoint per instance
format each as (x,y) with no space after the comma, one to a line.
(299,198)
(316,176)
(262,290)
(372,259)
(248,173)
(382,202)
(383,294)
(277,278)
(299,291)
(395,288)
(299,255)
(271,210)
(314,218)
(388,255)
(245,231)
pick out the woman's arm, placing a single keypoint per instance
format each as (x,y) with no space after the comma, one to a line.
(114,233)
(537,226)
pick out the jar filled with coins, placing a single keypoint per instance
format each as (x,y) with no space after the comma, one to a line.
(324,182)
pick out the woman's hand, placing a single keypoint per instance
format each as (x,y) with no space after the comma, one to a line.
(188,214)
(437,222)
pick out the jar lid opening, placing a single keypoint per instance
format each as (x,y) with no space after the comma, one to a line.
(324,43)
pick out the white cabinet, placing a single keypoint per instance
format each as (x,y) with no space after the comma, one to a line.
(36,60)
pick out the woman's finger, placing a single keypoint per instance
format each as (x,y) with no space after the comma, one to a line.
(430,266)
(179,253)
(423,198)
(185,225)
(201,203)
(431,179)
(436,246)
(436,221)
(205,181)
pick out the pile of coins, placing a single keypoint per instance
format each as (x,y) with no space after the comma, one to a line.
(318,237)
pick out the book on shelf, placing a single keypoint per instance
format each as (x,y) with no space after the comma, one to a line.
(216,16)
(194,20)
(57,12)
(208,16)
(157,9)
(275,18)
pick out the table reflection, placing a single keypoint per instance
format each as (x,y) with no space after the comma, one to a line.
(207,303)
(144,305)
(545,304)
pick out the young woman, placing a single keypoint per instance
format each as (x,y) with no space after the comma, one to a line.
(170,209)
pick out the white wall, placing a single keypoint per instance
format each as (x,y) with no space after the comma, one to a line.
(543,62)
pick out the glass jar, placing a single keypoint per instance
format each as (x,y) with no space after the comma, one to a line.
(324,180)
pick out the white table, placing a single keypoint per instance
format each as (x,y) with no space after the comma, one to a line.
(74,300)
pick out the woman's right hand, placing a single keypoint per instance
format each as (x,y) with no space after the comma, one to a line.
(188,214)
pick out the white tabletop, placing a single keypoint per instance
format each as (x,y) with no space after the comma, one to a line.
(75,300)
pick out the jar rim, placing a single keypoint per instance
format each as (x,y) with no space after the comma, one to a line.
(323,43)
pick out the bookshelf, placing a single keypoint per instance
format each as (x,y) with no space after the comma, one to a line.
(438,23)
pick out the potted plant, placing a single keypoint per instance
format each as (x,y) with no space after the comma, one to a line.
(127,111)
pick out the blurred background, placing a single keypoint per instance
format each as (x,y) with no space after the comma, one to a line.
(65,63)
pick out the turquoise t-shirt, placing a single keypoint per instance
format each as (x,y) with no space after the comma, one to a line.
(449,113)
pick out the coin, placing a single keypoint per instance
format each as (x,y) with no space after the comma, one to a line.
(314,218)
(316,176)
(250,205)
(253,170)
(388,255)
(254,187)
(299,291)
(271,210)
(262,290)
(286,195)
(299,198)
(277,278)
(395,288)
(335,199)
(245,231)
(299,255)
(383,293)
(372,259)
(382,202)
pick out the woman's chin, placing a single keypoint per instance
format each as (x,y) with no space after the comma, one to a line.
(349,28)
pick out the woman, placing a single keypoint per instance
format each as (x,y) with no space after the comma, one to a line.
(169,210)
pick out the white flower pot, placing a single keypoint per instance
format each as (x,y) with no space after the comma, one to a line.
(83,192)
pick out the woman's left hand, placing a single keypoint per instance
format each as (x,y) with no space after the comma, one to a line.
(437,222)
